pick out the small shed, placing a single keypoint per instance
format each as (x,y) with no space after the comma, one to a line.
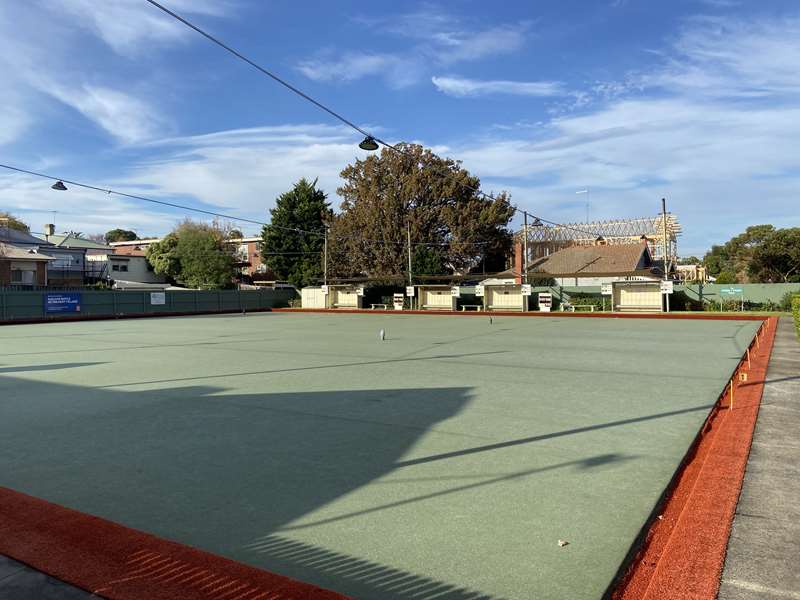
(637,296)
(312,297)
(505,296)
(435,297)
(345,296)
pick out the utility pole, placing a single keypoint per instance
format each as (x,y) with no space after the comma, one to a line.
(525,248)
(325,258)
(408,232)
(666,246)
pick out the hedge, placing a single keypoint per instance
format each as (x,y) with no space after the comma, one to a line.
(796,313)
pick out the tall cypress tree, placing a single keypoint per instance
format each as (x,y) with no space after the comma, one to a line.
(293,256)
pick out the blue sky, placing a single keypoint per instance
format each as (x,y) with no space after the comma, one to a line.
(693,100)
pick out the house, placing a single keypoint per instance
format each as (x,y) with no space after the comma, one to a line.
(22,266)
(67,266)
(598,264)
(94,268)
(128,263)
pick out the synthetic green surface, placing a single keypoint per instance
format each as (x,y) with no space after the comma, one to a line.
(447,461)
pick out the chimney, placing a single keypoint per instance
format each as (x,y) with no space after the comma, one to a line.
(49,230)
(517,268)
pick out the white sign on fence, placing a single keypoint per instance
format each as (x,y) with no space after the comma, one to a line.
(545,301)
(666,287)
(158,298)
(479,291)
(606,289)
(455,291)
(325,290)
(526,289)
(360,291)
(410,291)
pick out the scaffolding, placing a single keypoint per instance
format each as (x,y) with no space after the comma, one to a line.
(543,239)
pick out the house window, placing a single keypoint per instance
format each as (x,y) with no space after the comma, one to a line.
(123,267)
(115,267)
(16,276)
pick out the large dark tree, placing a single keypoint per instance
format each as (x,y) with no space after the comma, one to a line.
(121,235)
(294,256)
(436,198)
(760,254)
(777,258)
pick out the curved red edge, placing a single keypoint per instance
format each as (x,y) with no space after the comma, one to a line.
(120,563)
(681,553)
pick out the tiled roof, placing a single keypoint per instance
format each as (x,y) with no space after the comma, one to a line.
(130,250)
(594,260)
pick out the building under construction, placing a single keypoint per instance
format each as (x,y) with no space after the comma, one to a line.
(544,239)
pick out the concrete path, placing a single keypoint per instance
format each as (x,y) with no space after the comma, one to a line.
(763,551)
(20,582)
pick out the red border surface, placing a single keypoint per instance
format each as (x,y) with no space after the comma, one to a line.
(120,563)
(682,553)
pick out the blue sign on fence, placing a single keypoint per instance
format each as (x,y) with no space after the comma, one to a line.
(62,303)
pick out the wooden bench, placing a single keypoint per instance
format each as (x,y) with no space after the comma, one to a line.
(383,306)
(466,307)
(435,307)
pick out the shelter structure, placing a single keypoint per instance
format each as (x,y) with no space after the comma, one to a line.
(435,297)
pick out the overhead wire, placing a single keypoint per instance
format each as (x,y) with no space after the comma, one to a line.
(109,191)
(330,111)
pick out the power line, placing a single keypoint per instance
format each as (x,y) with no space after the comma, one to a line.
(132,196)
(109,191)
(327,109)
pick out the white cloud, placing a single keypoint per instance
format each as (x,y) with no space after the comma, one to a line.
(461,87)
(439,39)
(243,171)
(31,199)
(398,71)
(126,117)
(714,130)
(132,27)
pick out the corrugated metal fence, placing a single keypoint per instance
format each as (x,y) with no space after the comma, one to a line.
(56,304)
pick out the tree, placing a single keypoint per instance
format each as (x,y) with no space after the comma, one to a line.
(427,261)
(777,258)
(163,256)
(235,234)
(13,222)
(294,256)
(725,277)
(195,254)
(736,254)
(435,198)
(121,235)
(689,260)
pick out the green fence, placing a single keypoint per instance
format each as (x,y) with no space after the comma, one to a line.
(33,305)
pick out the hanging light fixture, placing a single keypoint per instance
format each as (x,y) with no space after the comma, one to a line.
(59,185)
(368,143)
